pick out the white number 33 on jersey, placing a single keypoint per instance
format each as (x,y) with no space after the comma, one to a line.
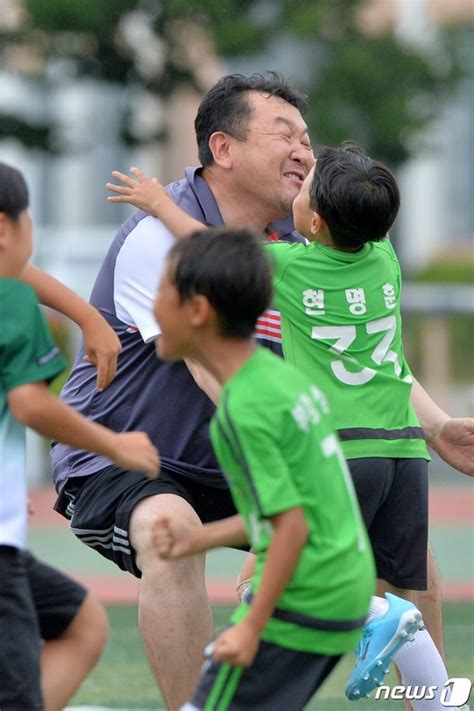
(344,337)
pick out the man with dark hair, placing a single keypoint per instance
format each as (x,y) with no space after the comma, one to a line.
(226,107)
(273,437)
(251,179)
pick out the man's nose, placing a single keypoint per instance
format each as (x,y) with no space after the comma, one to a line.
(301,154)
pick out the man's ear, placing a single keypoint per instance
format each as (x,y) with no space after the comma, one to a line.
(219,144)
(199,310)
(317,223)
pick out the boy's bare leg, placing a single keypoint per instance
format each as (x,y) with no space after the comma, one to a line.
(68,659)
(174,613)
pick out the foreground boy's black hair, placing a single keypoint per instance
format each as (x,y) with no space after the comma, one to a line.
(14,196)
(356,196)
(229,268)
(225,107)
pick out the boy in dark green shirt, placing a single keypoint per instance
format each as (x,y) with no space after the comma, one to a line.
(29,360)
(273,437)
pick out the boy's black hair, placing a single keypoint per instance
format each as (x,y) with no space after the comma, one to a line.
(14,197)
(226,108)
(229,268)
(356,196)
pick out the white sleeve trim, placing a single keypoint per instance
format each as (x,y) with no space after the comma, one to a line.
(137,272)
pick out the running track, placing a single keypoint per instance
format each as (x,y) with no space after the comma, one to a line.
(449,506)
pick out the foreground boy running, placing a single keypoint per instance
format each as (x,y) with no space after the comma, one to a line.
(339,300)
(273,438)
(29,360)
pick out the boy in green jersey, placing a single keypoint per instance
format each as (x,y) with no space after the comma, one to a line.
(273,437)
(41,611)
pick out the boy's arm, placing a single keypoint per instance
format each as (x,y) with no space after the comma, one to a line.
(173,539)
(34,406)
(238,645)
(451,437)
(101,343)
(150,196)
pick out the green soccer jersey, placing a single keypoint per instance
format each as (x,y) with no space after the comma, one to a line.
(272,437)
(341,324)
(27,355)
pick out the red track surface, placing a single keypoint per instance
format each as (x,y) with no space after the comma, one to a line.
(450,506)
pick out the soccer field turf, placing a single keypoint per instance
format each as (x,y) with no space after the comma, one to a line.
(122,679)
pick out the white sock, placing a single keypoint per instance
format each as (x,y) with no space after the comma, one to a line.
(420,664)
(377,608)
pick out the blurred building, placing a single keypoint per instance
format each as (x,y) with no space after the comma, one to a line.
(75,224)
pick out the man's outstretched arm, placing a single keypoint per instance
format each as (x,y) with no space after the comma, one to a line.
(451,437)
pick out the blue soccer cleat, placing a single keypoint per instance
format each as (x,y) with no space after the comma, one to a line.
(381,639)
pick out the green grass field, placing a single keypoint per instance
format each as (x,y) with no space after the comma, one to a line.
(122,679)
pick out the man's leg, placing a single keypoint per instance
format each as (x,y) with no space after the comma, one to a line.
(430,604)
(174,613)
(67,660)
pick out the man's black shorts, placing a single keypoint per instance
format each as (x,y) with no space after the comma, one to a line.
(393,497)
(279,679)
(99,507)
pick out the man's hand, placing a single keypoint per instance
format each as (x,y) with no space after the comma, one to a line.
(172,539)
(455,444)
(102,347)
(135,451)
(140,191)
(237,645)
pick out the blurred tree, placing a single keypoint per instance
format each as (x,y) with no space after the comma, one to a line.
(374,90)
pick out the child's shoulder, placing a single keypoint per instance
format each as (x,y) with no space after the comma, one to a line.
(15,295)
(385,246)
(268,384)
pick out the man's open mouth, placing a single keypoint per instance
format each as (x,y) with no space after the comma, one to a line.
(297,177)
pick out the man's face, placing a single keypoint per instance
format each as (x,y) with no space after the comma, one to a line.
(302,212)
(275,157)
(173,318)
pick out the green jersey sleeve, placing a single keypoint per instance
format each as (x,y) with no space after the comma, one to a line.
(28,353)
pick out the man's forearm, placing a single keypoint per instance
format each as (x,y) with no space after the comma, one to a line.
(431,416)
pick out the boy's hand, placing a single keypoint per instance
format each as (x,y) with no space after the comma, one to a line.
(171,538)
(102,347)
(135,451)
(140,191)
(237,645)
(455,444)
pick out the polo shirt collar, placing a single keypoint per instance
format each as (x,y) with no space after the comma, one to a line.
(205,197)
